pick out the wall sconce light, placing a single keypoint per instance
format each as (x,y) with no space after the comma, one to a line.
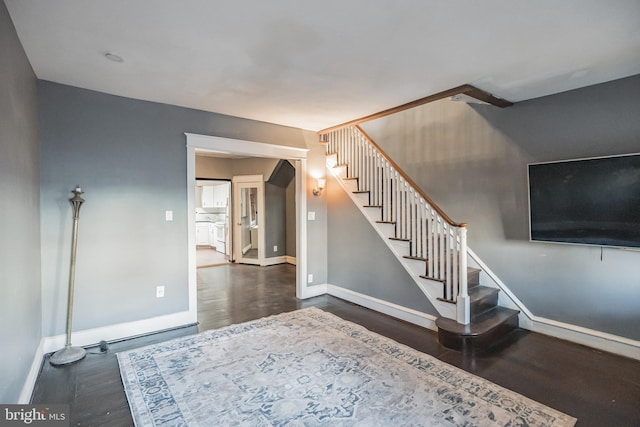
(320,186)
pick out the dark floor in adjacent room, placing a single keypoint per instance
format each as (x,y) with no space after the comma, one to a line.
(597,388)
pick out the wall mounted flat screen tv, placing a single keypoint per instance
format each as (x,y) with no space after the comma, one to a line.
(592,201)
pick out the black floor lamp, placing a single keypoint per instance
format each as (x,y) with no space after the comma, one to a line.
(71,354)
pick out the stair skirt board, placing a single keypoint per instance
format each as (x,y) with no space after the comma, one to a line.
(394,310)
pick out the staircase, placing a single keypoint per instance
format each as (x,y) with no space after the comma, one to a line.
(431,246)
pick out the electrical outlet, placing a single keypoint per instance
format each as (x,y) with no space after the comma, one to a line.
(310,278)
(168,215)
(275,248)
(159,291)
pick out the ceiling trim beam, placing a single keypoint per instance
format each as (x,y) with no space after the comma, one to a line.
(466,89)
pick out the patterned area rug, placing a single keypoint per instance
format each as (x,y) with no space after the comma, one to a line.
(310,368)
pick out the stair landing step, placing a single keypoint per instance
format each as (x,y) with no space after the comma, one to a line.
(480,325)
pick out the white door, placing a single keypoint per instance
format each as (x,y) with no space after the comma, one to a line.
(248,219)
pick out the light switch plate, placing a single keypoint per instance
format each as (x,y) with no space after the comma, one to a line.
(311,216)
(168,215)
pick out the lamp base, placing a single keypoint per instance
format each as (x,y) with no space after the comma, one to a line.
(67,355)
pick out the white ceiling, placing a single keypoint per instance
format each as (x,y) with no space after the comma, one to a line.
(315,64)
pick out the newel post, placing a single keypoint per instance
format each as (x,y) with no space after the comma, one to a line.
(462,301)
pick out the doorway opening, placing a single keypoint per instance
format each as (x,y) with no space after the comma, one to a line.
(202,144)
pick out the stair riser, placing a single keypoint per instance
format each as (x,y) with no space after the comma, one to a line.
(340,171)
(473,278)
(351,185)
(363,199)
(483,305)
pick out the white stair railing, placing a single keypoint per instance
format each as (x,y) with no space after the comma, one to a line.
(431,234)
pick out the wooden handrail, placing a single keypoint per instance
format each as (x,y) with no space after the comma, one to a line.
(410,181)
(466,89)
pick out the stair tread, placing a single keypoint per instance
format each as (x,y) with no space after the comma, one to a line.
(400,239)
(360,191)
(416,258)
(424,276)
(479,325)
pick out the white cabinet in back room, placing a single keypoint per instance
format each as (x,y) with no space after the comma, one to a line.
(207,196)
(202,234)
(215,196)
(220,195)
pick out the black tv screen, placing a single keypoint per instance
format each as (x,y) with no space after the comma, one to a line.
(588,201)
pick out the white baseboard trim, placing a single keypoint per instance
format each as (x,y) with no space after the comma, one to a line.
(313,291)
(399,312)
(32,377)
(93,336)
(291,260)
(588,337)
(119,331)
(275,260)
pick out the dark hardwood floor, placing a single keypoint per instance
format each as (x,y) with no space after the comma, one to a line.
(597,388)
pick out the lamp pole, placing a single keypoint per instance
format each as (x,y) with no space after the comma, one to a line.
(70,354)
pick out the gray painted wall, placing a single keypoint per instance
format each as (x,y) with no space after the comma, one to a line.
(274,216)
(317,229)
(130,158)
(20,304)
(290,219)
(360,261)
(471,159)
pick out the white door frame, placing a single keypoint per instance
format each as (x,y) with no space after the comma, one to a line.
(241,181)
(204,143)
